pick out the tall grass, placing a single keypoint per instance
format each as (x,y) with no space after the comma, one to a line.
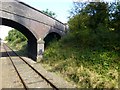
(86,67)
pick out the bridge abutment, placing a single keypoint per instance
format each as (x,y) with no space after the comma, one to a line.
(32,49)
(40,49)
(34,25)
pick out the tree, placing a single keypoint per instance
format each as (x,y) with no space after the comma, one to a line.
(115,22)
(15,37)
(90,23)
(93,15)
(49,13)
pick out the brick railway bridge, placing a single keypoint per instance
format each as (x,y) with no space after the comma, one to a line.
(34,24)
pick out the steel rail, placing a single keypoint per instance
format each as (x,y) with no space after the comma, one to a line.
(25,86)
(51,84)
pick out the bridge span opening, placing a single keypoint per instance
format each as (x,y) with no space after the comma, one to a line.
(32,41)
(51,37)
(31,22)
(33,46)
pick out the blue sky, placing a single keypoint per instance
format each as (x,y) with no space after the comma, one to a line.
(59,7)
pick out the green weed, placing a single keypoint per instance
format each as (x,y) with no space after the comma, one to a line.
(85,66)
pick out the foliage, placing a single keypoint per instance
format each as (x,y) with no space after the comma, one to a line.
(93,25)
(115,15)
(17,40)
(49,13)
(14,35)
(85,67)
(89,55)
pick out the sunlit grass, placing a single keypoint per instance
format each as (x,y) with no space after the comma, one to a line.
(20,48)
(84,67)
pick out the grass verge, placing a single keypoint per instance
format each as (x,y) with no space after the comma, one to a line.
(86,67)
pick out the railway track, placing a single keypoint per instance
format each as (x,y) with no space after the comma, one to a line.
(30,77)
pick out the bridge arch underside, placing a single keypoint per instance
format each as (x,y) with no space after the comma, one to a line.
(50,37)
(32,41)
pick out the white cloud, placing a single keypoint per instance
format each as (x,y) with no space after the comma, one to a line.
(4,31)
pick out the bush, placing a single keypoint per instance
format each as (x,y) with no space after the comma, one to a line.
(17,41)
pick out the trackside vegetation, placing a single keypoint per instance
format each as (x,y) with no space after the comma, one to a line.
(89,55)
(17,41)
(86,67)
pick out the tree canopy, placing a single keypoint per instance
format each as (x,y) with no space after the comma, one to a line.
(96,23)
